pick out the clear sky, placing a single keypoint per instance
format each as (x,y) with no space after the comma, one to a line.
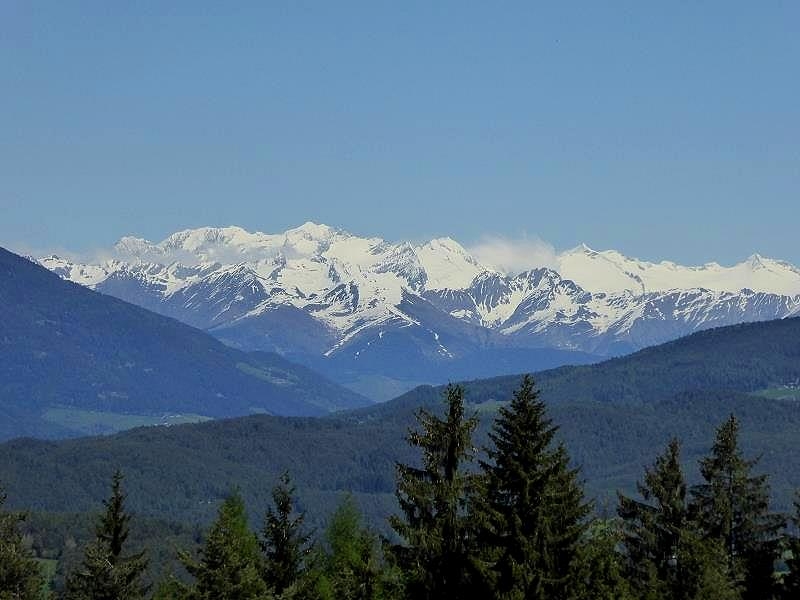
(663,130)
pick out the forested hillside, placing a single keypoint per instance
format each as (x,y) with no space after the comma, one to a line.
(69,356)
(330,456)
(751,357)
(611,416)
(510,518)
(180,475)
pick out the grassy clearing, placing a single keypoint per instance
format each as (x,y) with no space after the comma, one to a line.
(779,393)
(272,375)
(90,422)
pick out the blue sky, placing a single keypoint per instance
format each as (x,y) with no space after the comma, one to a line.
(664,131)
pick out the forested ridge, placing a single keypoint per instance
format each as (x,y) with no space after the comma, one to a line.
(180,473)
(509,519)
(745,358)
(609,436)
(178,477)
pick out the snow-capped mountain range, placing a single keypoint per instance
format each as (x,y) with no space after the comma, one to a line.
(320,294)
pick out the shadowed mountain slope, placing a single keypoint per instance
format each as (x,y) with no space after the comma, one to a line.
(65,349)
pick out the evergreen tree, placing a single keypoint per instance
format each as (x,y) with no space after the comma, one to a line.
(106,573)
(732,506)
(230,565)
(653,526)
(702,570)
(437,557)
(284,545)
(666,556)
(20,576)
(171,588)
(353,568)
(598,571)
(531,508)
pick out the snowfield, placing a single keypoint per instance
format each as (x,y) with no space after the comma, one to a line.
(351,291)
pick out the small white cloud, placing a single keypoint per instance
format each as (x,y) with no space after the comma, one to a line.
(514,255)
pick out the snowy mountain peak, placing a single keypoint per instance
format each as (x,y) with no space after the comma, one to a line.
(129,246)
(448,264)
(581,248)
(340,291)
(441,263)
(612,271)
(315,231)
(447,244)
(204,238)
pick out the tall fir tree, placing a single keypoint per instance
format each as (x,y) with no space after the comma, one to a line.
(20,576)
(598,572)
(531,510)
(653,526)
(106,573)
(732,507)
(437,556)
(353,568)
(229,565)
(702,569)
(285,545)
(666,556)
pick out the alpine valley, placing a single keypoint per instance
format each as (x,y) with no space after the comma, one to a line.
(349,306)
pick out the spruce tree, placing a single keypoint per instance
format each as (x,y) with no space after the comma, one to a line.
(353,568)
(437,555)
(666,555)
(702,570)
(284,544)
(732,506)
(229,565)
(598,571)
(653,526)
(106,573)
(20,576)
(531,508)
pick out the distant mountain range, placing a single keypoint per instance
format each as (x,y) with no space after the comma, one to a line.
(615,417)
(73,361)
(356,308)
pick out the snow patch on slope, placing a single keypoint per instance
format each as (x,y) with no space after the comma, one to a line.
(447,264)
(354,286)
(610,271)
